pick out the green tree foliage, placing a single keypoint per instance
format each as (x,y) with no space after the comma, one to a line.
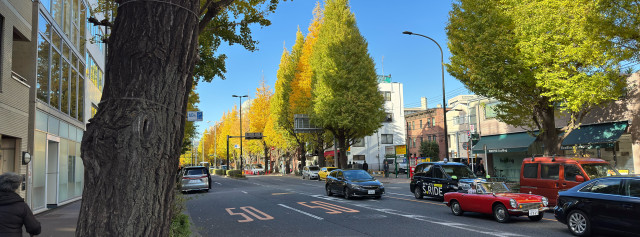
(345,90)
(537,58)
(430,149)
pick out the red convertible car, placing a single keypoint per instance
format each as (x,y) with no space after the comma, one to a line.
(495,198)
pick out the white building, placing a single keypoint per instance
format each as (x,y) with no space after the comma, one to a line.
(392,133)
(461,123)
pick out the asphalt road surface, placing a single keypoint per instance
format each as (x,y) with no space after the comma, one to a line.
(290,206)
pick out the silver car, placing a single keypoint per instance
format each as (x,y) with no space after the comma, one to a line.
(195,178)
(310,172)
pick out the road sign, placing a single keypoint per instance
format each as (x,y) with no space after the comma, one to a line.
(273,148)
(253,135)
(401,149)
(194,115)
(237,146)
(472,128)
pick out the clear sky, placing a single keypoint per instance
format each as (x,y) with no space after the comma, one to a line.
(411,60)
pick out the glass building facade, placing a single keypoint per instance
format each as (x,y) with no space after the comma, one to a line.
(69,84)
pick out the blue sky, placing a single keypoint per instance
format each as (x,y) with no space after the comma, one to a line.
(411,60)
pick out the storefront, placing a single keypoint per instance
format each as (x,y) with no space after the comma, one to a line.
(608,141)
(57,168)
(505,153)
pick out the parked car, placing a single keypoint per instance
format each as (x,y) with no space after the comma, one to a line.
(257,169)
(195,178)
(609,204)
(434,179)
(324,171)
(547,176)
(353,183)
(311,172)
(495,198)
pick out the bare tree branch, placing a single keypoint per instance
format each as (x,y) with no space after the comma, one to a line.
(212,11)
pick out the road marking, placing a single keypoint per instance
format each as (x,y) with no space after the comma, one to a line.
(218,183)
(331,208)
(456,225)
(250,210)
(308,214)
(549,219)
(280,193)
(440,204)
(244,192)
(407,195)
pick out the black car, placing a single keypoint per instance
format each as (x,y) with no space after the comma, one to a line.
(434,179)
(353,183)
(610,204)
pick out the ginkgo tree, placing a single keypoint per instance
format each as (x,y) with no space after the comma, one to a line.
(538,58)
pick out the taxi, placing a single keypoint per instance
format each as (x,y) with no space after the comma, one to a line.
(434,179)
(324,171)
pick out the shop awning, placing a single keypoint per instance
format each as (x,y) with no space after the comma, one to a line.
(593,136)
(514,142)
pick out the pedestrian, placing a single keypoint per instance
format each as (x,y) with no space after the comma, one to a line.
(350,165)
(14,212)
(365,166)
(386,169)
(480,171)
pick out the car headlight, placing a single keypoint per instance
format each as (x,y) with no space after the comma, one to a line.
(545,201)
(356,186)
(513,203)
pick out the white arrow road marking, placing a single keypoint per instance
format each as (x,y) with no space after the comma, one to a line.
(306,213)
(244,192)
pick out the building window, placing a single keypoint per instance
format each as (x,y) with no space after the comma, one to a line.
(94,110)
(413,125)
(95,73)
(358,157)
(1,51)
(414,142)
(433,122)
(359,142)
(420,123)
(386,138)
(421,140)
(389,117)
(490,111)
(387,95)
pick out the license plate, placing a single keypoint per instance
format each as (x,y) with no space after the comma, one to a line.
(533,212)
(194,181)
(372,191)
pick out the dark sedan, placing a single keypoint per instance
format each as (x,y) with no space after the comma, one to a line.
(608,204)
(353,183)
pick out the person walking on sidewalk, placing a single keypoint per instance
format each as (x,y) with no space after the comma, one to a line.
(365,166)
(386,169)
(14,212)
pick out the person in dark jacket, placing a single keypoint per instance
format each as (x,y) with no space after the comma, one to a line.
(365,166)
(14,212)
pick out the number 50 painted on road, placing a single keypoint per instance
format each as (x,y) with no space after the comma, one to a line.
(251,210)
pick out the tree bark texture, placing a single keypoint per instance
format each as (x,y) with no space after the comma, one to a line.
(550,135)
(131,147)
(342,153)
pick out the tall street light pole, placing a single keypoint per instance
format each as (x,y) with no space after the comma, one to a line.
(240,128)
(444,103)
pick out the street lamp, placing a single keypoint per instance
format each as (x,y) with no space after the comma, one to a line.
(240,127)
(444,103)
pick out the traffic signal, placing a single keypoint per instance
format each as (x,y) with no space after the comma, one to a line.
(253,135)
(475,138)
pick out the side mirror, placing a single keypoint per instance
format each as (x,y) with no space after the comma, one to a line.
(454,177)
(579,178)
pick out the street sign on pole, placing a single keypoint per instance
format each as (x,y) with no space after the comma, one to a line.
(194,116)
(472,128)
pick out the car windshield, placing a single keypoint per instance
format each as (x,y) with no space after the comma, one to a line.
(330,169)
(599,170)
(313,168)
(357,175)
(257,166)
(195,172)
(460,171)
(495,187)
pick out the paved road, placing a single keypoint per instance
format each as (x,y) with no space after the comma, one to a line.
(290,206)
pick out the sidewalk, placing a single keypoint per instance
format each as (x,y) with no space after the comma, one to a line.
(60,221)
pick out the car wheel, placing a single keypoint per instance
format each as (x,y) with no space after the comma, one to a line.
(456,208)
(326,188)
(347,193)
(579,223)
(538,217)
(303,176)
(418,193)
(500,213)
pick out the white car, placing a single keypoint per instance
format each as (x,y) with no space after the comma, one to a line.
(310,172)
(257,169)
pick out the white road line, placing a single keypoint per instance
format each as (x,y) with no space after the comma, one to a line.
(456,225)
(244,192)
(218,183)
(306,213)
(407,195)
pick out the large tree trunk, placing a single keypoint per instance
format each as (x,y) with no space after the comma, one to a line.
(303,155)
(131,147)
(319,149)
(266,157)
(342,154)
(550,135)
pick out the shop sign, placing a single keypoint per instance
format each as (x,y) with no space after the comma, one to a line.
(498,150)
